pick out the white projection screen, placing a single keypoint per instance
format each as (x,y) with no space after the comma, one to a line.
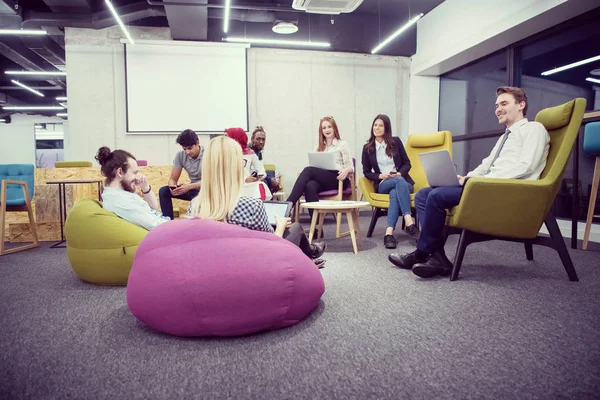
(175,86)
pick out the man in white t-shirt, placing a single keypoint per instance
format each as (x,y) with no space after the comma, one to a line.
(119,195)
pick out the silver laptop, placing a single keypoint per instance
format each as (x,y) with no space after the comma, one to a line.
(439,168)
(323,159)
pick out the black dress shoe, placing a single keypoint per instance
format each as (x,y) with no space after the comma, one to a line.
(319,262)
(405,261)
(318,248)
(436,264)
(389,241)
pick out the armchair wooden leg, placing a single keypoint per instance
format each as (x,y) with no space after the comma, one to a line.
(592,205)
(560,246)
(529,251)
(374,218)
(463,242)
(2,217)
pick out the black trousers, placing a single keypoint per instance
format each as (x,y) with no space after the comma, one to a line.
(295,234)
(166,199)
(313,180)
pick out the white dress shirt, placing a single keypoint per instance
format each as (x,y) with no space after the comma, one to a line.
(385,162)
(132,208)
(343,160)
(523,155)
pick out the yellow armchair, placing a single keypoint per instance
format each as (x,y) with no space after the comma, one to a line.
(416,144)
(513,209)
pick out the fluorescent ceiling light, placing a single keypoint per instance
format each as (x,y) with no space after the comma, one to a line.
(226,16)
(114,13)
(593,80)
(2,120)
(53,73)
(27,87)
(41,108)
(61,98)
(569,66)
(22,32)
(62,114)
(278,42)
(395,34)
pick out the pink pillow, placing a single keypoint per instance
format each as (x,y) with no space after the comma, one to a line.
(204,278)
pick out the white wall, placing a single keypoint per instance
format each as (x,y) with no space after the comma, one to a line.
(18,138)
(288,90)
(460,31)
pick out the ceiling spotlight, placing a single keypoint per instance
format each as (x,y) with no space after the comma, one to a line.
(285,28)
(595,72)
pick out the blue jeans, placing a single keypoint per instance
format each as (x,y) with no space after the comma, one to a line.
(431,205)
(399,191)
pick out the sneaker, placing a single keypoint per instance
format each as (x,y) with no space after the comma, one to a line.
(413,231)
(436,264)
(318,248)
(389,241)
(405,261)
(320,263)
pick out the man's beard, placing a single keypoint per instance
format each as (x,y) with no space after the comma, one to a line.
(128,186)
(258,146)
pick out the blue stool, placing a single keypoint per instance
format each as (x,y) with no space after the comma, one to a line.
(591,145)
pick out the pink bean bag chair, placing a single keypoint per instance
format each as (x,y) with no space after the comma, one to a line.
(204,278)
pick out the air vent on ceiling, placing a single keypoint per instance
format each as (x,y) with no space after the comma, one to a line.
(327,6)
(49,56)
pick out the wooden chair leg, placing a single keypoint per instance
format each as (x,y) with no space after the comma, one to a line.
(32,226)
(529,251)
(592,205)
(338,228)
(2,216)
(320,223)
(561,248)
(313,224)
(463,242)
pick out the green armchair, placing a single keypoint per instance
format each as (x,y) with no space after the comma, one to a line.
(513,209)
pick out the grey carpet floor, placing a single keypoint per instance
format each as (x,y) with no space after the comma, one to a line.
(508,329)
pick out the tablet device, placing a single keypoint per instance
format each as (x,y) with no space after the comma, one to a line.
(438,168)
(277,208)
(323,159)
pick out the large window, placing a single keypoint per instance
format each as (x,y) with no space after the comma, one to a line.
(467,95)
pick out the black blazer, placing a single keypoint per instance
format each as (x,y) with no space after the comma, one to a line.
(371,167)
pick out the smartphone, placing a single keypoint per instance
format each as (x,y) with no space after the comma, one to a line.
(172,187)
(259,176)
(254,174)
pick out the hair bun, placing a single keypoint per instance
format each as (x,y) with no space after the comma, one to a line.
(103,155)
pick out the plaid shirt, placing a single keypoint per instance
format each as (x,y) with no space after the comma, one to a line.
(250,213)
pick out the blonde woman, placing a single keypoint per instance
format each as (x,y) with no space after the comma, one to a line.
(221,198)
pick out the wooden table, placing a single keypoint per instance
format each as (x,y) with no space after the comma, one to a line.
(350,208)
(62,202)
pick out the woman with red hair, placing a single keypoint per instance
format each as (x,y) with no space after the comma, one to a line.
(313,180)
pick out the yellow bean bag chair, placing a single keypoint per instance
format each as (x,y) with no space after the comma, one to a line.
(100,245)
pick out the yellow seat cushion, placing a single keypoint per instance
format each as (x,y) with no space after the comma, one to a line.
(100,245)
(72,164)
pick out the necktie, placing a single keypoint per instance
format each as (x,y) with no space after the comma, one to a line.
(506,132)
